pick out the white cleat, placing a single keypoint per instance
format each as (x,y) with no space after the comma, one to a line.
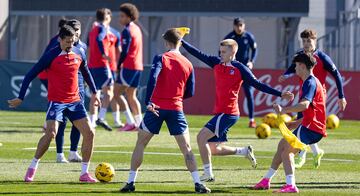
(61,159)
(250,155)
(118,124)
(75,157)
(207,178)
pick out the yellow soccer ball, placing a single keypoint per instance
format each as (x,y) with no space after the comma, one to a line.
(332,122)
(270,119)
(104,172)
(263,131)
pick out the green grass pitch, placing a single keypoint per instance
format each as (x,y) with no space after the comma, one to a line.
(163,171)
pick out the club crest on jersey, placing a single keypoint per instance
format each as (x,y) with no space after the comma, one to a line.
(245,41)
(232,72)
(76,60)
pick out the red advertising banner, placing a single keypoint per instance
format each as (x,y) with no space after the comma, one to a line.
(204,99)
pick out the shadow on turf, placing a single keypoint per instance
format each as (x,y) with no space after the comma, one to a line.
(24,131)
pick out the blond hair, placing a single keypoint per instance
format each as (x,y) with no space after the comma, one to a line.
(230,43)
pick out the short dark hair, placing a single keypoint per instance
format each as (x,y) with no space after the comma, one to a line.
(62,22)
(101,13)
(238,21)
(130,10)
(66,31)
(172,35)
(306,58)
(75,24)
(308,33)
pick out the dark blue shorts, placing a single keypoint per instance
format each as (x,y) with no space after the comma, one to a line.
(129,78)
(307,136)
(175,121)
(73,111)
(102,77)
(220,125)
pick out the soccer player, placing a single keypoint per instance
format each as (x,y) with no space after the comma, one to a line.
(130,64)
(122,106)
(62,64)
(323,66)
(99,64)
(312,128)
(246,55)
(171,80)
(229,76)
(74,134)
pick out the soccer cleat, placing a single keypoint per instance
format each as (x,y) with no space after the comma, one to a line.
(252,124)
(128,127)
(263,184)
(207,178)
(61,159)
(250,155)
(75,157)
(103,124)
(118,124)
(288,189)
(317,158)
(87,178)
(129,187)
(30,174)
(201,188)
(300,161)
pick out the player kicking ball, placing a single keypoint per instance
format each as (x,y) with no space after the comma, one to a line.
(171,80)
(312,128)
(62,64)
(229,76)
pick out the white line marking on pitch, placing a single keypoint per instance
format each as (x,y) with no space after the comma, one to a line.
(172,153)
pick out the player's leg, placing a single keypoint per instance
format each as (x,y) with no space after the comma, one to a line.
(249,94)
(74,142)
(119,90)
(93,110)
(107,91)
(44,87)
(205,153)
(151,125)
(317,155)
(134,104)
(221,149)
(59,140)
(115,108)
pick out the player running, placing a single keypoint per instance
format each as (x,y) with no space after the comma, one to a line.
(323,66)
(99,64)
(130,64)
(229,76)
(246,55)
(62,64)
(171,80)
(312,128)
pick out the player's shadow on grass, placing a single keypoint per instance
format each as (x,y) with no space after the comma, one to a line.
(252,138)
(23,131)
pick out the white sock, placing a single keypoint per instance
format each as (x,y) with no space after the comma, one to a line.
(270,173)
(252,120)
(34,163)
(195,176)
(84,168)
(102,113)
(116,116)
(93,119)
(138,119)
(60,155)
(241,151)
(290,179)
(302,154)
(315,149)
(132,176)
(129,117)
(72,153)
(208,169)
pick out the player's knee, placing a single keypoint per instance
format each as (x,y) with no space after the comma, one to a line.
(201,139)
(51,133)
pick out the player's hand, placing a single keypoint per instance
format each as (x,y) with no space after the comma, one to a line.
(107,58)
(282,78)
(287,95)
(250,65)
(153,108)
(278,109)
(342,104)
(97,101)
(13,103)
